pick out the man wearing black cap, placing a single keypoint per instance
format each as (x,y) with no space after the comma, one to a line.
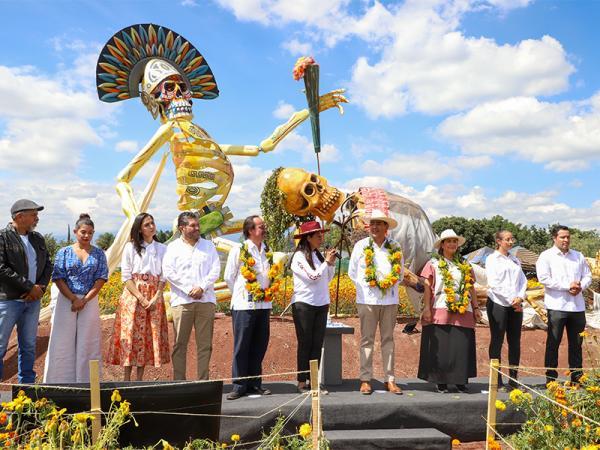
(25,271)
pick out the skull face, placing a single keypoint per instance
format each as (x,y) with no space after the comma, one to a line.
(165,92)
(308,193)
(175,98)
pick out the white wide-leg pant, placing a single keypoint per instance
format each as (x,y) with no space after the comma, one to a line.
(75,339)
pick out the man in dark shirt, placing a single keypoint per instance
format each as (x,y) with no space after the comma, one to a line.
(25,271)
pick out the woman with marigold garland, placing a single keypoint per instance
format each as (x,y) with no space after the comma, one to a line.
(376,268)
(449,315)
(140,333)
(253,280)
(310,303)
(506,290)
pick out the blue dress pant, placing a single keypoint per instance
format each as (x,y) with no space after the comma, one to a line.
(250,342)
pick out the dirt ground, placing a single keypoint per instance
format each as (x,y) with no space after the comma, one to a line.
(281,353)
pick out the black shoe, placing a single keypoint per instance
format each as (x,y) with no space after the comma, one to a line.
(260,391)
(442,388)
(410,329)
(234,395)
(462,388)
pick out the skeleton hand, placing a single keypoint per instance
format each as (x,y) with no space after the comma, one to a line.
(333,99)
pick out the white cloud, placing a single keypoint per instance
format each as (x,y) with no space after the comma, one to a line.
(127,146)
(283,111)
(540,208)
(297,48)
(425,62)
(564,136)
(427,166)
(45,145)
(189,3)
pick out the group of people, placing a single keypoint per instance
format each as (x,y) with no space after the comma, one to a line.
(190,264)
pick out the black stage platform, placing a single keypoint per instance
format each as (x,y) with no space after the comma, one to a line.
(458,415)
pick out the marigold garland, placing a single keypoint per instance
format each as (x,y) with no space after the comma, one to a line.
(456,302)
(395,259)
(258,294)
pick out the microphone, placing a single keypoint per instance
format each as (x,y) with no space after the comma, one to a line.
(328,247)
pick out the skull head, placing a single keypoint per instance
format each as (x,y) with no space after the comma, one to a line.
(165,92)
(308,193)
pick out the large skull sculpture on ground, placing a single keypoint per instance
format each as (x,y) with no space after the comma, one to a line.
(308,193)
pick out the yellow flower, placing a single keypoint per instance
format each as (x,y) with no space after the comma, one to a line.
(167,446)
(305,430)
(125,407)
(576,422)
(115,397)
(583,334)
(549,428)
(83,417)
(516,396)
(235,437)
(500,405)
(455,442)
(224,445)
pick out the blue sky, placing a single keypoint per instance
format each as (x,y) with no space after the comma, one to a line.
(469,108)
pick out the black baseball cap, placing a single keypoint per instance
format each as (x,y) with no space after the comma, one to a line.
(24,205)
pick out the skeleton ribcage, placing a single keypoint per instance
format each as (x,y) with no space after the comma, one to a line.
(204,174)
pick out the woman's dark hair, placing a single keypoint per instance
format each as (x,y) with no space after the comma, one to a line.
(136,232)
(556,228)
(304,247)
(248,225)
(84,219)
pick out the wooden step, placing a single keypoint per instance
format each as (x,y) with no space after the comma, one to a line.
(396,439)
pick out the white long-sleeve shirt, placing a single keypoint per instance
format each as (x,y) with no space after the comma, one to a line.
(506,280)
(150,261)
(240,299)
(366,294)
(556,271)
(311,286)
(186,267)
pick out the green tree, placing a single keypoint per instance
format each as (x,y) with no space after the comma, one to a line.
(53,245)
(164,235)
(277,219)
(105,240)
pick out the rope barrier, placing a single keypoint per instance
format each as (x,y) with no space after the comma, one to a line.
(287,420)
(148,384)
(583,369)
(489,427)
(572,411)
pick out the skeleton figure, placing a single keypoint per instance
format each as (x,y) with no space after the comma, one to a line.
(173,73)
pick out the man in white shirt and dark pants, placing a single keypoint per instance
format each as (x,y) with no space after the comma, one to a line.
(376,307)
(564,274)
(191,265)
(250,317)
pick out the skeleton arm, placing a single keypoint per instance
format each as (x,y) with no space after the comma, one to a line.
(128,203)
(331,99)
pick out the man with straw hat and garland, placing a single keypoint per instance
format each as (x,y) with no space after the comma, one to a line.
(376,268)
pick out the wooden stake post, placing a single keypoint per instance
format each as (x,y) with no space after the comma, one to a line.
(316,412)
(95,409)
(491,412)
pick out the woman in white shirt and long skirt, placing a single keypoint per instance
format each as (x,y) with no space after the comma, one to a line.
(506,290)
(310,303)
(140,334)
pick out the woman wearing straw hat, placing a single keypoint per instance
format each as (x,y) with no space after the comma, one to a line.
(449,315)
(310,303)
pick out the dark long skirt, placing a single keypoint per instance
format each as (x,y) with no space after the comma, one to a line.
(447,354)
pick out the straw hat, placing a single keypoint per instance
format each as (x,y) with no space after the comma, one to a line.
(309,228)
(378,214)
(449,234)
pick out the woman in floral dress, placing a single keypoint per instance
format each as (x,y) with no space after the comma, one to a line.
(140,336)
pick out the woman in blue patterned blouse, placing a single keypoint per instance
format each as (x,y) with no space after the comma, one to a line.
(80,271)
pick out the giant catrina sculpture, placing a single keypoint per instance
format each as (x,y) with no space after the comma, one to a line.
(167,71)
